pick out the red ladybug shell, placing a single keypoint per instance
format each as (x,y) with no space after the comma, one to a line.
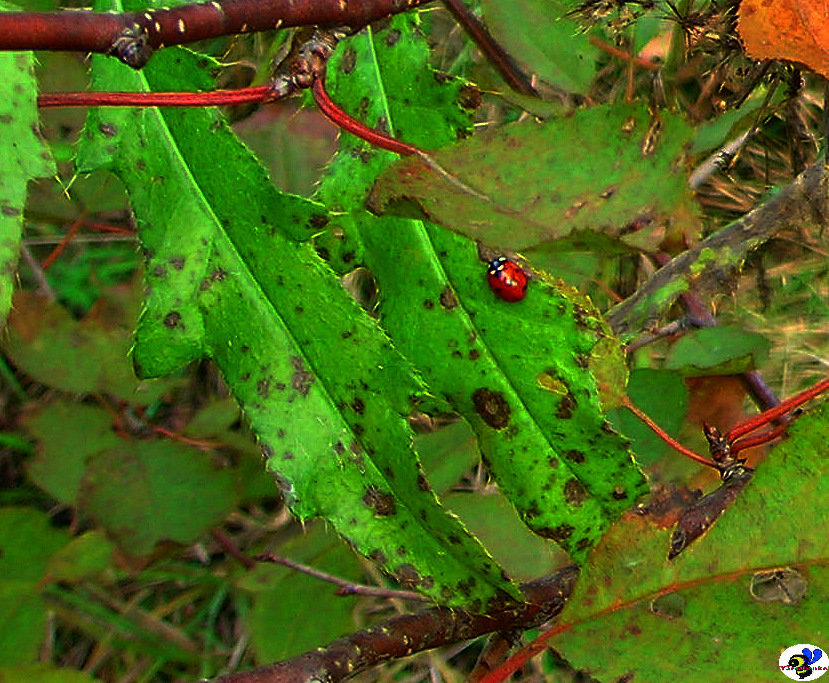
(506,279)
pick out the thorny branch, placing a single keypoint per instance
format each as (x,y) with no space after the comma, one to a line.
(408,634)
(711,267)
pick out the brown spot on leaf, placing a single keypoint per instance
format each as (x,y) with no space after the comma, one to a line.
(349,61)
(172,319)
(559,533)
(301,380)
(358,405)
(381,503)
(574,492)
(392,37)
(574,455)
(564,409)
(177,262)
(448,299)
(492,407)
(263,387)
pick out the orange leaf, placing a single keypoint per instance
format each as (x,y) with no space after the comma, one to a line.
(796,30)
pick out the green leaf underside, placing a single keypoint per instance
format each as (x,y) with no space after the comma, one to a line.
(780,520)
(23,156)
(321,385)
(553,47)
(520,374)
(540,187)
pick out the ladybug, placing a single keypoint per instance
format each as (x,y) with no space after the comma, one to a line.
(506,279)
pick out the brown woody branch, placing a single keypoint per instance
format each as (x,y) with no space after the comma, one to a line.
(408,634)
(133,36)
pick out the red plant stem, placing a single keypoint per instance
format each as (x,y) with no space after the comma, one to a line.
(662,434)
(67,238)
(342,120)
(156,99)
(85,31)
(778,411)
(757,439)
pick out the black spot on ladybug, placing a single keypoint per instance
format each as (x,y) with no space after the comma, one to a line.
(348,61)
(474,354)
(339,449)
(301,380)
(392,37)
(177,262)
(381,503)
(574,456)
(358,405)
(564,409)
(448,299)
(428,304)
(263,388)
(172,319)
(574,492)
(619,493)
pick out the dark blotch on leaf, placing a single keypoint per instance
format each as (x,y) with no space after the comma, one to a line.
(407,576)
(177,262)
(574,455)
(267,451)
(381,503)
(559,533)
(428,304)
(448,299)
(108,130)
(172,319)
(339,449)
(422,482)
(349,61)
(10,211)
(619,493)
(377,556)
(492,407)
(574,492)
(301,380)
(392,37)
(358,405)
(564,409)
(474,354)
(263,387)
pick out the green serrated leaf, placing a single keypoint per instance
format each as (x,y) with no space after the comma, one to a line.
(78,356)
(69,434)
(522,375)
(320,384)
(623,179)
(539,35)
(779,520)
(23,156)
(143,492)
(718,351)
(28,542)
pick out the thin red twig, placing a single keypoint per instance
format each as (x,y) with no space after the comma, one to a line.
(342,120)
(778,411)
